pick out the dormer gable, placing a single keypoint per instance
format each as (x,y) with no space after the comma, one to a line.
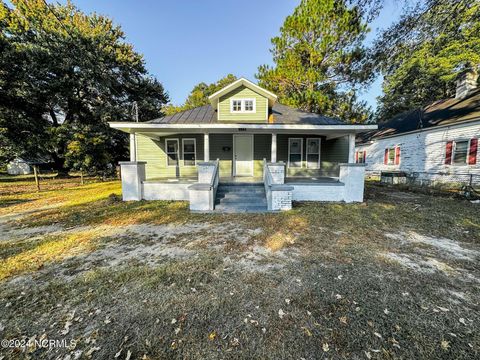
(242,101)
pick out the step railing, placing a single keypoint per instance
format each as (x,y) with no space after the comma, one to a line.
(279,195)
(202,194)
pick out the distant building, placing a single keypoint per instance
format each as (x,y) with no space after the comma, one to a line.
(438,143)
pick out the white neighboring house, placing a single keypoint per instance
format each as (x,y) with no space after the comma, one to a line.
(436,144)
(18,166)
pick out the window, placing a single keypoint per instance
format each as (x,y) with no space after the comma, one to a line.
(392,156)
(171,148)
(313,153)
(295,152)
(460,152)
(236,105)
(248,105)
(242,105)
(360,157)
(189,152)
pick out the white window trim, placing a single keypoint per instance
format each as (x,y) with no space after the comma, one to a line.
(166,151)
(194,151)
(454,149)
(319,151)
(242,106)
(301,153)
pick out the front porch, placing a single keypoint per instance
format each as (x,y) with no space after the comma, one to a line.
(289,166)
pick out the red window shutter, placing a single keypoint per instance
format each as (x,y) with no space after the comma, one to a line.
(472,153)
(448,153)
(385,158)
(365,156)
(356,156)
(397,155)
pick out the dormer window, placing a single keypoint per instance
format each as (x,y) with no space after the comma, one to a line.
(236,105)
(248,105)
(242,105)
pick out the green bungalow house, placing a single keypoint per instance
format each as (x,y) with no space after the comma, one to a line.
(242,152)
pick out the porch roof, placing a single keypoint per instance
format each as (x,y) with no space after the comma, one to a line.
(166,129)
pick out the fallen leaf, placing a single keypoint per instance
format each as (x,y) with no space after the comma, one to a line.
(368,355)
(118,354)
(174,321)
(177,330)
(281,313)
(386,311)
(343,319)
(377,335)
(325,347)
(212,335)
(462,320)
(287,301)
(91,350)
(443,309)
(445,344)
(307,331)
(338,296)
(129,354)
(66,329)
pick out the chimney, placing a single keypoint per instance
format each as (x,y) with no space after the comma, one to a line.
(466,82)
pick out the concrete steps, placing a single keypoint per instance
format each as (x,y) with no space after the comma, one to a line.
(241,197)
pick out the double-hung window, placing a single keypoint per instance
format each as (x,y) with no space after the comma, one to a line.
(189,152)
(295,152)
(460,152)
(313,153)
(392,156)
(171,148)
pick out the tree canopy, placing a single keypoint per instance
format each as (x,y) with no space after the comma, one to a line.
(63,75)
(199,94)
(320,60)
(421,55)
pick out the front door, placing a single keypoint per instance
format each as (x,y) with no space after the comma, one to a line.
(243,155)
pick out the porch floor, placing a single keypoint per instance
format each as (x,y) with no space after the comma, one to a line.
(312,180)
(173,180)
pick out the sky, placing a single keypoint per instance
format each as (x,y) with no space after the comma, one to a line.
(185,42)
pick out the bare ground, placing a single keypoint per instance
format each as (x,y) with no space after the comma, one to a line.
(397,277)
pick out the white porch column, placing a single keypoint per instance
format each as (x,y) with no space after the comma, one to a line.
(133,148)
(273,156)
(206,147)
(351,148)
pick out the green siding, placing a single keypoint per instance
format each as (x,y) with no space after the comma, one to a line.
(261,150)
(242,92)
(153,152)
(332,152)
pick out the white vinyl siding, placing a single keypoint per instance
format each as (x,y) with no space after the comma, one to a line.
(423,152)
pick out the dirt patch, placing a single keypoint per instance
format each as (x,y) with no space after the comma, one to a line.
(448,247)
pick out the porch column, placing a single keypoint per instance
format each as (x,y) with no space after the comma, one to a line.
(273,157)
(133,148)
(206,147)
(351,148)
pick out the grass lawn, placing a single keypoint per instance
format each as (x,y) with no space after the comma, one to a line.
(397,277)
